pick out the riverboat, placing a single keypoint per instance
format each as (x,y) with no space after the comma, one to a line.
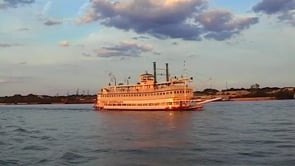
(173,94)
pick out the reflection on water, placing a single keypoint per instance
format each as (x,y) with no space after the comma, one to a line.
(141,129)
(145,138)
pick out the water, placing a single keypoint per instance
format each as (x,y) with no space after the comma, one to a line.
(225,133)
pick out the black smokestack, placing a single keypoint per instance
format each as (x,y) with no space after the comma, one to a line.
(155,72)
(167,72)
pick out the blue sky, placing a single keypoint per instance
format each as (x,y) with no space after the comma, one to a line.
(55,47)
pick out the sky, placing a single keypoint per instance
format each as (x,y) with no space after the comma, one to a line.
(56,47)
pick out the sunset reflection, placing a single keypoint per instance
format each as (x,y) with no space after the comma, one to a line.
(133,130)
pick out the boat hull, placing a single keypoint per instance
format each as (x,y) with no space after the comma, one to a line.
(192,108)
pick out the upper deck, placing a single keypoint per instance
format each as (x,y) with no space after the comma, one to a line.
(148,85)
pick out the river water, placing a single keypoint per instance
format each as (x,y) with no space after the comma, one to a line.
(224,133)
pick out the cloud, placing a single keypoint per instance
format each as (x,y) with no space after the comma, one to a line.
(2,81)
(22,63)
(166,18)
(86,54)
(64,43)
(221,24)
(140,37)
(3,6)
(23,29)
(124,49)
(51,22)
(13,79)
(5,45)
(46,7)
(283,9)
(14,3)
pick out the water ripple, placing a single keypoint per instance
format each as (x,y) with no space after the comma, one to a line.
(74,158)
(35,147)
(9,162)
(225,133)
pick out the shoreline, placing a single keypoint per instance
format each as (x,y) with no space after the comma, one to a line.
(253,99)
(40,103)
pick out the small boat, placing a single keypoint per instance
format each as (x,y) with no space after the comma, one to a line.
(148,94)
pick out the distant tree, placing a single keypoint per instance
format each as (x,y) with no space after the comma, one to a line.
(255,86)
(284,94)
(210,91)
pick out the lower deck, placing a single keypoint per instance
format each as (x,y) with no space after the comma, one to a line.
(152,106)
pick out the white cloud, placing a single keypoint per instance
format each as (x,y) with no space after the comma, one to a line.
(64,43)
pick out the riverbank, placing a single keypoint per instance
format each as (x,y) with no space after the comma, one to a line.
(44,99)
(257,95)
(253,99)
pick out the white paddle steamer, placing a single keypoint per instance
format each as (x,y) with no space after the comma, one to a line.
(149,95)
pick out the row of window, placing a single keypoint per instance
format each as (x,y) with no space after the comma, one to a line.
(176,103)
(145,104)
(145,94)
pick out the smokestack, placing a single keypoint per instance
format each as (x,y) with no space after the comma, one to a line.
(167,72)
(155,73)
